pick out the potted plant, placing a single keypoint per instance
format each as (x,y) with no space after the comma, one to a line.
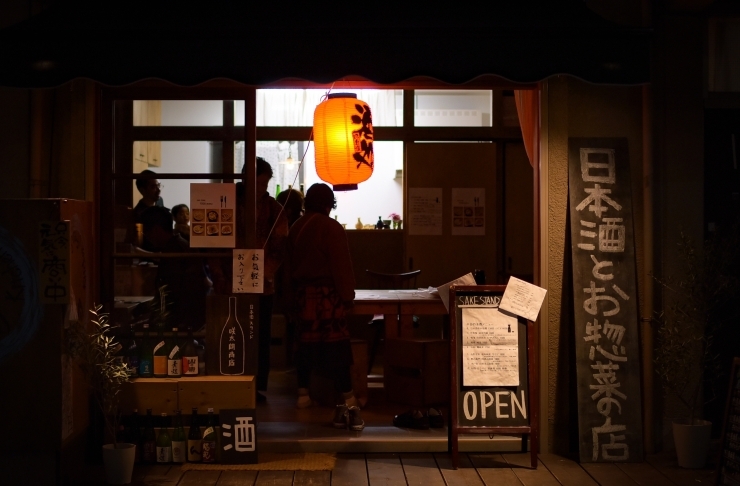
(95,350)
(698,303)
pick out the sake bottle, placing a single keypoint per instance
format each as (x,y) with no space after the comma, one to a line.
(231,345)
(160,356)
(149,442)
(195,446)
(164,443)
(209,438)
(174,359)
(179,442)
(189,356)
(146,367)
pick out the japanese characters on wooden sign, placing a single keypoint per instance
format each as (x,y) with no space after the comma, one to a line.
(238,436)
(54,262)
(605,301)
(231,324)
(248,271)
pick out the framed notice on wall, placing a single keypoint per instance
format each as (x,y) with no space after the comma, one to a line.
(212,215)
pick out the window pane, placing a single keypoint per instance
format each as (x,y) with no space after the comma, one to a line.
(452,108)
(284,157)
(295,107)
(179,113)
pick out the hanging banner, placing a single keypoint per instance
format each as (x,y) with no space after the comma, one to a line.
(54,262)
(248,272)
(212,214)
(605,301)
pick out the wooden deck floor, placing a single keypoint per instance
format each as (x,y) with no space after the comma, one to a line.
(433,470)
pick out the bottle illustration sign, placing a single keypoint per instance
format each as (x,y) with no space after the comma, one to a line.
(232,351)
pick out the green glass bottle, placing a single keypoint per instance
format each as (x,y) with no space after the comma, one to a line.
(146,365)
(195,447)
(209,438)
(160,355)
(179,441)
(174,358)
(164,443)
(277,190)
(149,449)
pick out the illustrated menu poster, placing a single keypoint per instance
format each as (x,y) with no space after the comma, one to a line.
(248,271)
(490,349)
(54,260)
(212,215)
(425,210)
(468,211)
(238,436)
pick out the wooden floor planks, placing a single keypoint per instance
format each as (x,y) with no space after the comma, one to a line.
(421,470)
(494,470)
(237,478)
(465,474)
(566,471)
(349,470)
(385,470)
(608,474)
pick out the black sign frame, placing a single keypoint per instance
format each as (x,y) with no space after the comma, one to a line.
(730,429)
(230,432)
(529,378)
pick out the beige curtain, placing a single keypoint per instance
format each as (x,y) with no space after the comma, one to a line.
(528,109)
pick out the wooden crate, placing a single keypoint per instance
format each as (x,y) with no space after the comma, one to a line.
(159,394)
(417,371)
(216,392)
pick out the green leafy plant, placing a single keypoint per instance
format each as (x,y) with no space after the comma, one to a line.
(700,302)
(95,352)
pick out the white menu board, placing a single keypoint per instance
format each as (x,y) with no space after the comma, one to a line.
(425,210)
(212,215)
(490,347)
(468,211)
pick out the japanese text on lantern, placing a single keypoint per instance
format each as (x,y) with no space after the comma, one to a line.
(601,236)
(248,271)
(54,262)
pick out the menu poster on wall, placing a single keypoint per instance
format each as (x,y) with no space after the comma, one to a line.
(212,215)
(425,210)
(489,347)
(468,211)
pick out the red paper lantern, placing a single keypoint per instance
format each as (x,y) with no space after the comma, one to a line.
(343,137)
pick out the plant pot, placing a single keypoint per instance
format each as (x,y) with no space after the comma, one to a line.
(692,442)
(119,462)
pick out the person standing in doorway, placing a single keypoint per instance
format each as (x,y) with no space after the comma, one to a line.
(322,283)
(150,190)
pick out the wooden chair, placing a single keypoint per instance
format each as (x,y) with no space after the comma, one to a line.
(386,281)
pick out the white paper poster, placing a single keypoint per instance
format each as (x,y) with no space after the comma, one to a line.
(444,290)
(425,210)
(248,271)
(522,298)
(468,211)
(490,347)
(212,215)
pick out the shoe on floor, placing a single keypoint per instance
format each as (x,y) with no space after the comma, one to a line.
(436,419)
(355,419)
(413,419)
(261,398)
(341,417)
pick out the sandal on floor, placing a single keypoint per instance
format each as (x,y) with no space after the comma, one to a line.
(413,419)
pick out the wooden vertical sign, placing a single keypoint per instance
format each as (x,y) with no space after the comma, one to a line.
(605,301)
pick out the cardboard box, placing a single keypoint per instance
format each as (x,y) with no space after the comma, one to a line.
(417,371)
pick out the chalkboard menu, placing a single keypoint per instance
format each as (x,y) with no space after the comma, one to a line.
(604,301)
(493,381)
(728,471)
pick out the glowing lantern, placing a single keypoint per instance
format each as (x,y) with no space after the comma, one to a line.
(343,137)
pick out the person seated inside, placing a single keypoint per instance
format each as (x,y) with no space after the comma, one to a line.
(150,190)
(186,280)
(181,213)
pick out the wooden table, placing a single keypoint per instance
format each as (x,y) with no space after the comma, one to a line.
(398,308)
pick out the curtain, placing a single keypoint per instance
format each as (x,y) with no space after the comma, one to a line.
(528,110)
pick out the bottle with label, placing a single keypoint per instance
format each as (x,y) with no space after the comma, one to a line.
(131,352)
(133,435)
(189,356)
(164,443)
(209,438)
(146,366)
(179,442)
(160,355)
(174,358)
(195,447)
(149,441)
(232,353)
